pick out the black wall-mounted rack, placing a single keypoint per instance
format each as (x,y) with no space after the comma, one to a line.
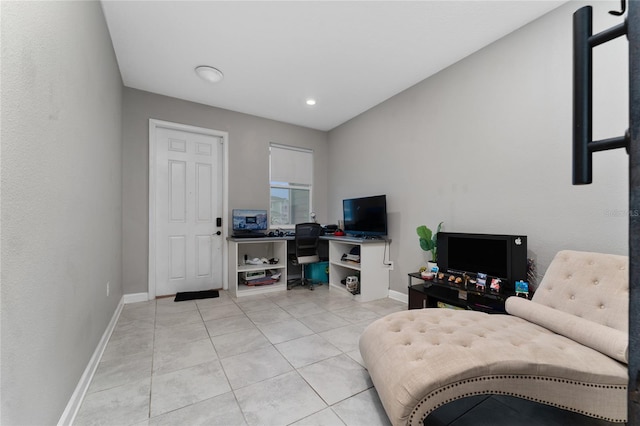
(584,147)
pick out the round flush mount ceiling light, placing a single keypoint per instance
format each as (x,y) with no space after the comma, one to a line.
(210,74)
(311,102)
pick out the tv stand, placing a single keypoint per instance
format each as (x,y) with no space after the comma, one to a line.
(437,293)
(358,236)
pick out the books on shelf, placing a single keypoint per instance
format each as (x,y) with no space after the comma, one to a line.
(265,279)
(261,281)
(448,306)
(354,258)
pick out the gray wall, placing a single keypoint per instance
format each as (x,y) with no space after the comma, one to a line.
(485,146)
(249,138)
(61,205)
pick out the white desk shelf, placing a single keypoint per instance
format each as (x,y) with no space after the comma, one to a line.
(256,247)
(373,272)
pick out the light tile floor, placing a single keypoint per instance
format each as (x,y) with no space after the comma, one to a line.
(286,358)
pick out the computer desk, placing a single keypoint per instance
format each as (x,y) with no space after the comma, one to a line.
(373,269)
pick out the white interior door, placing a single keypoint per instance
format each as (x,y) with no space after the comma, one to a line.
(188,205)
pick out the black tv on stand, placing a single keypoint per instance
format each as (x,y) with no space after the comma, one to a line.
(500,256)
(365,217)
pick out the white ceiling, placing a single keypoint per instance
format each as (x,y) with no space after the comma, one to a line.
(348,55)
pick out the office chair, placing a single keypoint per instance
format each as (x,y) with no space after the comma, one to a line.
(306,242)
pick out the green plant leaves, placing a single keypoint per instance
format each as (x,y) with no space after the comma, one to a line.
(424,232)
(429,240)
(426,245)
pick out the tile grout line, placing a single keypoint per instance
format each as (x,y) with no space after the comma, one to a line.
(224,371)
(322,301)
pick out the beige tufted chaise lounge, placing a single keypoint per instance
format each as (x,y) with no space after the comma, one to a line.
(567,347)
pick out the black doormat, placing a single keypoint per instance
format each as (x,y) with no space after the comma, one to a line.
(192,295)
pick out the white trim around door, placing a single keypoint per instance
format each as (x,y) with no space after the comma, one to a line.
(153,126)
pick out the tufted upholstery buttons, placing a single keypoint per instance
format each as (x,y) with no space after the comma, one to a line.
(433,356)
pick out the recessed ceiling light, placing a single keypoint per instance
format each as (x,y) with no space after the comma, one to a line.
(311,102)
(209,74)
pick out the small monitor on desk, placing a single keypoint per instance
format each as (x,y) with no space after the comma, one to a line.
(246,220)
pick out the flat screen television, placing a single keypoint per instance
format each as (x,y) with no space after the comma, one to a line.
(500,256)
(365,216)
(249,220)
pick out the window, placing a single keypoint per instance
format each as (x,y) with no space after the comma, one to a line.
(291,179)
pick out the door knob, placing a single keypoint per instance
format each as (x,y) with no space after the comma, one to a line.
(218,233)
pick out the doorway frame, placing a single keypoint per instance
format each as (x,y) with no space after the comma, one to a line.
(154,124)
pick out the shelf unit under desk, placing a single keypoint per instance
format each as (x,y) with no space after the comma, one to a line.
(373,269)
(256,248)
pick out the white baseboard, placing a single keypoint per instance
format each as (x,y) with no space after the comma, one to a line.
(71,410)
(135,298)
(400,297)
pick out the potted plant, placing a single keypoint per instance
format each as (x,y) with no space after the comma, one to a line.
(429,242)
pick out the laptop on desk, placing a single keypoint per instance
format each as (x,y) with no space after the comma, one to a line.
(251,234)
(249,223)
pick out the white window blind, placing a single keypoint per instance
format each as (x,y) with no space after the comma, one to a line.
(291,176)
(291,165)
